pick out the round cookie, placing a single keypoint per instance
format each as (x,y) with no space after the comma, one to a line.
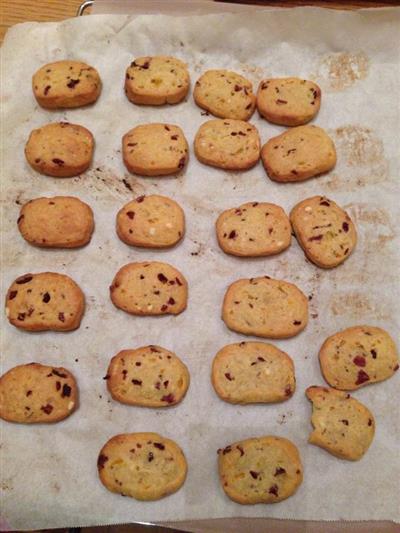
(265,307)
(324,231)
(150,288)
(228,144)
(288,101)
(253,372)
(61,149)
(57,222)
(66,84)
(260,470)
(151,222)
(45,302)
(358,356)
(144,466)
(342,425)
(156,80)
(298,154)
(34,393)
(253,229)
(149,376)
(225,94)
(155,150)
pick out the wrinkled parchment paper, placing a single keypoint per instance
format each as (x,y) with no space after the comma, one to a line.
(48,473)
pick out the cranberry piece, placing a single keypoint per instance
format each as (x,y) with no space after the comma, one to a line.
(273,490)
(373,353)
(279,470)
(226,450)
(228,376)
(47,408)
(169,398)
(362,377)
(66,391)
(46,297)
(254,474)
(171,301)
(240,450)
(130,214)
(159,445)
(232,234)
(102,459)
(162,278)
(24,279)
(58,385)
(150,457)
(137,382)
(359,360)
(61,317)
(12,295)
(345,227)
(71,84)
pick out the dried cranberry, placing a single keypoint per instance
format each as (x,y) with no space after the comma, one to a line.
(24,279)
(171,301)
(254,474)
(240,450)
(57,373)
(169,398)
(345,227)
(66,391)
(174,137)
(58,161)
(325,202)
(237,88)
(162,278)
(164,307)
(150,457)
(137,382)
(58,385)
(373,353)
(46,297)
(159,445)
(296,322)
(124,373)
(47,408)
(362,377)
(279,470)
(232,234)
(107,376)
(71,84)
(370,421)
(273,490)
(102,459)
(396,368)
(359,360)
(46,89)
(178,281)
(12,295)
(182,162)
(21,317)
(61,317)
(28,393)
(166,383)
(228,376)
(288,391)
(130,214)
(140,199)
(345,422)
(316,238)
(226,450)
(158,385)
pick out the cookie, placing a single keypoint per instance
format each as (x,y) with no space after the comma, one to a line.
(57,222)
(157,80)
(45,302)
(150,288)
(151,222)
(66,84)
(254,229)
(34,393)
(343,426)
(324,231)
(228,144)
(298,154)
(149,376)
(288,101)
(61,149)
(357,356)
(265,307)
(144,466)
(155,150)
(260,470)
(253,372)
(225,94)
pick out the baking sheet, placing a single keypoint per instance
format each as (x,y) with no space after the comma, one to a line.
(49,475)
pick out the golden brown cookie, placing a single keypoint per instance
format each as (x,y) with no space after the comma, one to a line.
(151,222)
(357,356)
(35,393)
(61,149)
(342,425)
(157,80)
(144,466)
(45,301)
(150,288)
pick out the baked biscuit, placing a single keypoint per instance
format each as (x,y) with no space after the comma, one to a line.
(57,222)
(150,288)
(253,229)
(357,356)
(149,376)
(342,425)
(324,231)
(61,149)
(65,84)
(156,80)
(265,307)
(288,101)
(260,470)
(34,393)
(228,144)
(253,372)
(298,154)
(144,466)
(45,302)
(151,222)
(155,150)
(225,94)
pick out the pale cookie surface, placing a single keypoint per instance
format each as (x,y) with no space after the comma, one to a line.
(156,80)
(151,222)
(288,101)
(228,144)
(253,229)
(150,288)
(253,372)
(343,426)
(298,154)
(57,222)
(225,94)
(65,84)
(260,470)
(144,466)
(34,393)
(155,149)
(61,149)
(149,376)
(265,307)
(357,356)
(324,231)
(45,301)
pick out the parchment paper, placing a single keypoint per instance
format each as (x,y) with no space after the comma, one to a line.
(49,475)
